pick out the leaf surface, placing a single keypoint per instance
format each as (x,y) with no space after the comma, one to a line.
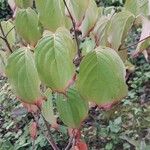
(27,25)
(53,57)
(24,3)
(101,31)
(120,25)
(9,30)
(47,109)
(23,75)
(101,76)
(78,9)
(72,109)
(145,33)
(51,13)
(90,19)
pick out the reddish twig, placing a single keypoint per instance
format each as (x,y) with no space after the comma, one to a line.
(71,139)
(49,138)
(75,32)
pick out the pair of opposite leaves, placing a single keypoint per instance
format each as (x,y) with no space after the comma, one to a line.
(85,14)
(101,76)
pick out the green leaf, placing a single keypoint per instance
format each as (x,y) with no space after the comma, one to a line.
(90,19)
(10,32)
(24,3)
(101,76)
(144,7)
(145,33)
(101,31)
(72,108)
(138,7)
(120,25)
(27,25)
(78,9)
(87,46)
(132,6)
(23,75)
(53,57)
(6,145)
(3,60)
(51,13)
(47,109)
(123,55)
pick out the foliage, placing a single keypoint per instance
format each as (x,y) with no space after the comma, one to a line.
(44,62)
(5,11)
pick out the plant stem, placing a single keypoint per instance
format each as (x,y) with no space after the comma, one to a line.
(75,32)
(5,38)
(51,140)
(49,136)
(71,140)
(134,43)
(70,143)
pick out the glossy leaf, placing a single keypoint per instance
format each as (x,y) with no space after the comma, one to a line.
(47,109)
(90,19)
(120,26)
(78,9)
(24,3)
(51,13)
(23,75)
(101,76)
(72,108)
(27,25)
(53,56)
(101,31)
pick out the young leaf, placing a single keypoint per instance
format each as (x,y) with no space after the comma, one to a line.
(90,19)
(47,109)
(23,75)
(122,23)
(53,57)
(24,3)
(27,25)
(101,76)
(72,108)
(51,13)
(101,31)
(78,9)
